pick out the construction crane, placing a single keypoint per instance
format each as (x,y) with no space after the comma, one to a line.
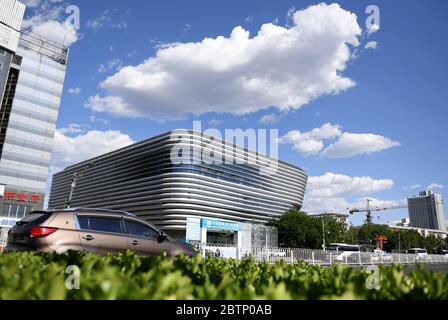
(369,210)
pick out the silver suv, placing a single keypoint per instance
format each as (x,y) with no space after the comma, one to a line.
(94,230)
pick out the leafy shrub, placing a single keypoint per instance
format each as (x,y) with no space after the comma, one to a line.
(128,276)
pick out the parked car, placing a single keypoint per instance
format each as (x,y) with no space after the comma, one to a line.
(422,254)
(94,230)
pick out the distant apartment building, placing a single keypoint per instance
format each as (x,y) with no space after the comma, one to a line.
(401,223)
(32,73)
(339,217)
(426,211)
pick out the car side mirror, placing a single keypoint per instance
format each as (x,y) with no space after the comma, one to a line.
(162,238)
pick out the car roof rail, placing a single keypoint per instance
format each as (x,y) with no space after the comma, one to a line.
(101,210)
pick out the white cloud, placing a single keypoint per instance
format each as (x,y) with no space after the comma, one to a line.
(48,20)
(413,187)
(290,15)
(331,205)
(114,64)
(308,146)
(37,3)
(102,121)
(271,118)
(347,144)
(352,144)
(107,19)
(371,45)
(75,91)
(249,19)
(31,3)
(311,143)
(380,204)
(121,25)
(435,186)
(112,104)
(131,54)
(282,67)
(336,192)
(86,145)
(215,122)
(332,185)
(374,28)
(72,128)
(60,32)
(186,28)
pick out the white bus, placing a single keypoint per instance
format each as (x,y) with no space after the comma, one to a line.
(345,252)
(417,251)
(343,247)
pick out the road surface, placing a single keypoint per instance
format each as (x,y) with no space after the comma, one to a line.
(436,267)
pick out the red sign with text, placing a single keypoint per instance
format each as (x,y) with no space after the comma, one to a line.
(22,197)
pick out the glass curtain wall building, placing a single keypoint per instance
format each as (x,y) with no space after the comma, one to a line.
(144,180)
(32,72)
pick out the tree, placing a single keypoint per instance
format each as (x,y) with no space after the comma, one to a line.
(434,244)
(406,239)
(351,236)
(335,231)
(292,229)
(297,229)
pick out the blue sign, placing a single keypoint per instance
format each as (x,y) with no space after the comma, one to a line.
(221,225)
(8,223)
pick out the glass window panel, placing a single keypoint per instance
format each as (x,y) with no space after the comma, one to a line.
(83,223)
(6,208)
(140,230)
(13,211)
(105,224)
(28,210)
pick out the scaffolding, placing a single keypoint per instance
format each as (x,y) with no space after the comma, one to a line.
(43,46)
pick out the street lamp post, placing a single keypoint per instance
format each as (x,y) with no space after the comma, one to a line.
(75,178)
(323,234)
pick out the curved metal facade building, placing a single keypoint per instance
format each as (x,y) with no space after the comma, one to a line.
(143,179)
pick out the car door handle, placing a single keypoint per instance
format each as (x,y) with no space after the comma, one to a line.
(88,238)
(135,243)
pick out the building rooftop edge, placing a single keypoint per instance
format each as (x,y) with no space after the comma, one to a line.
(79,164)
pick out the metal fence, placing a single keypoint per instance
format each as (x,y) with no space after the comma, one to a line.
(320,257)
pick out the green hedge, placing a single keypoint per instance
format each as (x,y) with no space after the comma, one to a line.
(127,276)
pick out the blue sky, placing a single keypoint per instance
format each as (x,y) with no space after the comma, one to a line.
(389,124)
